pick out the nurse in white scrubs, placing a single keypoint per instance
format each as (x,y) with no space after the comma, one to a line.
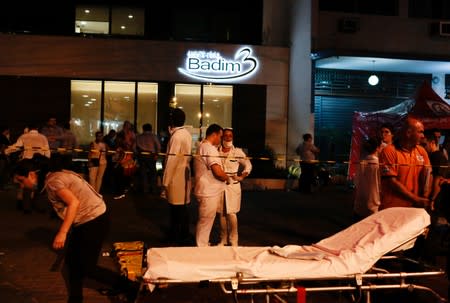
(237,166)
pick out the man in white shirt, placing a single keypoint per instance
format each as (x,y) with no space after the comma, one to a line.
(210,183)
(307,152)
(31,143)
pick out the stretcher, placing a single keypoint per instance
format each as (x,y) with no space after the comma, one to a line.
(345,261)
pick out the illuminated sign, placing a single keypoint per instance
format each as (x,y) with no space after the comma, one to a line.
(211,66)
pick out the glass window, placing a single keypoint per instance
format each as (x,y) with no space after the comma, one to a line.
(118,104)
(85,109)
(147,106)
(187,97)
(127,21)
(217,105)
(92,20)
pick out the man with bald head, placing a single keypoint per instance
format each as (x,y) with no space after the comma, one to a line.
(405,169)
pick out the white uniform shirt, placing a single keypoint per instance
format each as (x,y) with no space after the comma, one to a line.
(234,161)
(176,178)
(32,143)
(206,185)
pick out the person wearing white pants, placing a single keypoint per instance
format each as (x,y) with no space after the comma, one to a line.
(97,161)
(237,167)
(209,183)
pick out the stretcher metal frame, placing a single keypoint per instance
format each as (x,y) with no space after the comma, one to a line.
(363,284)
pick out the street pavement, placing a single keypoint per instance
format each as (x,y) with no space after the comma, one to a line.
(30,269)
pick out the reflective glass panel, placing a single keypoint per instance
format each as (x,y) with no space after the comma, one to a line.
(127,21)
(85,109)
(119,104)
(217,105)
(92,19)
(187,97)
(147,106)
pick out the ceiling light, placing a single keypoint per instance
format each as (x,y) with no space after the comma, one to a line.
(123,27)
(373,80)
(87,11)
(130,16)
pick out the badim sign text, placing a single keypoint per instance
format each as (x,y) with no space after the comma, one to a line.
(211,66)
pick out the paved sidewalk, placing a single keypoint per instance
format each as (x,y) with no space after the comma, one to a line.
(28,272)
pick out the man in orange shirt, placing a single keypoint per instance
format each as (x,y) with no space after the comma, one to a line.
(405,169)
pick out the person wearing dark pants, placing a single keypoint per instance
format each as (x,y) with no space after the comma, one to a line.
(179,225)
(83,248)
(85,222)
(307,152)
(148,147)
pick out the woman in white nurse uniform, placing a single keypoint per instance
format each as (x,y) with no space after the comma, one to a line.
(237,166)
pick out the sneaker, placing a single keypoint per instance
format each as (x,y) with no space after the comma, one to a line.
(119,197)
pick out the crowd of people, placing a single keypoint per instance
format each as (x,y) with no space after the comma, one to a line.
(44,163)
(406,167)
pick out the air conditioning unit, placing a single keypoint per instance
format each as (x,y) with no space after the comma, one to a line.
(441,29)
(348,25)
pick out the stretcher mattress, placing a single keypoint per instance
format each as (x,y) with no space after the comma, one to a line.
(351,251)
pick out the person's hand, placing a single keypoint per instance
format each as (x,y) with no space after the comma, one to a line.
(238,178)
(163,194)
(60,240)
(422,202)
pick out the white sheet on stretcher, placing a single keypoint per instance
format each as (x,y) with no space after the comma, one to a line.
(353,250)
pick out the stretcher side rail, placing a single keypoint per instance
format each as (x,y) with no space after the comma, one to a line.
(366,282)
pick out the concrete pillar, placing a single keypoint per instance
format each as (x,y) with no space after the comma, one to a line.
(300,118)
(438,84)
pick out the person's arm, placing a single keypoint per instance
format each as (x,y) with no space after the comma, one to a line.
(218,172)
(157,144)
(246,164)
(315,149)
(437,181)
(72,203)
(402,190)
(14,147)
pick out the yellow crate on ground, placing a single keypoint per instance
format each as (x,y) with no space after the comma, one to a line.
(130,257)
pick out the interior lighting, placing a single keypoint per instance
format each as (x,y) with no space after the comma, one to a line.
(130,16)
(373,79)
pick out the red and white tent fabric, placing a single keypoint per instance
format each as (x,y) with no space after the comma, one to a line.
(427,106)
